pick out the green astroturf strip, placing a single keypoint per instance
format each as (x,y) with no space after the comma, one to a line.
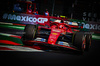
(13,26)
(97,37)
(13,39)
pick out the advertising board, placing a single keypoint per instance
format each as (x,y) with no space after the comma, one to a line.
(22,18)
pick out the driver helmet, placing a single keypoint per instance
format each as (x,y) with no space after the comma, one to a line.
(61,26)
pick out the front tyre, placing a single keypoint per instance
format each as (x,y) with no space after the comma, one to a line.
(30,32)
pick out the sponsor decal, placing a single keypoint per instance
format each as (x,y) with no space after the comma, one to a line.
(56,30)
(70,23)
(61,43)
(54,33)
(25,18)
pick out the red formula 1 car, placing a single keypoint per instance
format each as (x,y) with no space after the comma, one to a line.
(57,35)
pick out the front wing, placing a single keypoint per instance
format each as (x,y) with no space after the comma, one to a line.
(54,46)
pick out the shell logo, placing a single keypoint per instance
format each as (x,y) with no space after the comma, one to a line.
(54,33)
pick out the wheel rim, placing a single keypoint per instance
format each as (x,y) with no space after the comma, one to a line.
(90,41)
(83,43)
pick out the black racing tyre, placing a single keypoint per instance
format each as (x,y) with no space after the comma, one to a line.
(88,41)
(80,41)
(30,32)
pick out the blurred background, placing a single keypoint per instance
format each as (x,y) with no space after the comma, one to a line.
(77,9)
(86,12)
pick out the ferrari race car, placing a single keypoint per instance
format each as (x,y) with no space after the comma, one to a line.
(57,35)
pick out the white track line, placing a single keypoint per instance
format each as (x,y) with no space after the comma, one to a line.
(21,48)
(5,34)
(6,23)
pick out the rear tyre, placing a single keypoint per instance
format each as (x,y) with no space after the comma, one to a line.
(80,41)
(88,41)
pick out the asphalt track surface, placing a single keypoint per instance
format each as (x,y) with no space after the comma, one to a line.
(16,58)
